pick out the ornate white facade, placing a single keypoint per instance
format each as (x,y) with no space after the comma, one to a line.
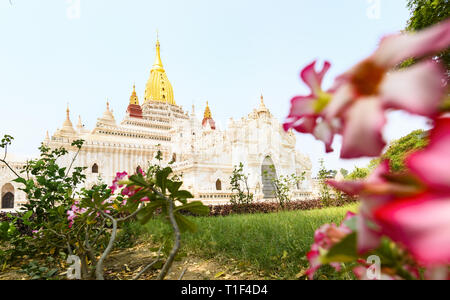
(204,154)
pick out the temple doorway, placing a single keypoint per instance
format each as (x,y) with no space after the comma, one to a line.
(268,173)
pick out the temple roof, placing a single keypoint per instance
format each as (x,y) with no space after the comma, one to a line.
(67,125)
(108,117)
(159,88)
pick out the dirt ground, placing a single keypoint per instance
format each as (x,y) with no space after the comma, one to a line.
(125,264)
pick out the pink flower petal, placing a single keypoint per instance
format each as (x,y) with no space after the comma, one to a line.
(324,133)
(302,106)
(395,49)
(351,188)
(362,129)
(368,238)
(305,124)
(342,98)
(418,89)
(432,165)
(313,78)
(421,224)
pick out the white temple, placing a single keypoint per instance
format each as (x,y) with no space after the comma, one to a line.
(202,153)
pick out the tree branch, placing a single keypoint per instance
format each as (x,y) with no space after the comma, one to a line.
(150,265)
(99,267)
(7,164)
(177,239)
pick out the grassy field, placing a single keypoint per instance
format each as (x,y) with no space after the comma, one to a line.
(272,244)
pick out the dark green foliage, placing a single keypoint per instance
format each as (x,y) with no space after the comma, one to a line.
(50,191)
(397,153)
(401,148)
(50,188)
(273,207)
(37,271)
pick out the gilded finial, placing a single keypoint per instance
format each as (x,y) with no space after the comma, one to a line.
(134,98)
(262,101)
(208,114)
(158,63)
(67,111)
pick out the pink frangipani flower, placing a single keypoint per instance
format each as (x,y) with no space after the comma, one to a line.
(355,106)
(421,222)
(115,184)
(324,239)
(413,208)
(370,88)
(306,111)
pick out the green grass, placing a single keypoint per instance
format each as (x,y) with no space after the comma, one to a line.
(275,244)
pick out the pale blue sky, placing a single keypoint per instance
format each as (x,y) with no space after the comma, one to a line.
(225,52)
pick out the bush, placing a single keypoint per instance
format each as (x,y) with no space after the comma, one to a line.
(271,207)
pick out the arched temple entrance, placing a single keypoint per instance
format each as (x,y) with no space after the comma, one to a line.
(7,196)
(268,173)
(218,185)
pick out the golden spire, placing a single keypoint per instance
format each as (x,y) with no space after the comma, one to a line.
(158,63)
(134,98)
(68,112)
(262,101)
(158,88)
(208,114)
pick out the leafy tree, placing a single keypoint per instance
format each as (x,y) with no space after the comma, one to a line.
(344,172)
(425,13)
(358,173)
(84,222)
(283,185)
(401,148)
(325,189)
(239,185)
(396,154)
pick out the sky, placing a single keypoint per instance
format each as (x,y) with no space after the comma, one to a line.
(55,52)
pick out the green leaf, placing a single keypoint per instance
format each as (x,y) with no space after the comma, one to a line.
(185,224)
(352,223)
(138,180)
(344,251)
(52,273)
(196,207)
(20,180)
(173,186)
(138,196)
(28,215)
(183,195)
(161,178)
(147,213)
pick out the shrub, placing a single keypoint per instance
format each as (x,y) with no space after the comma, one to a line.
(272,207)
